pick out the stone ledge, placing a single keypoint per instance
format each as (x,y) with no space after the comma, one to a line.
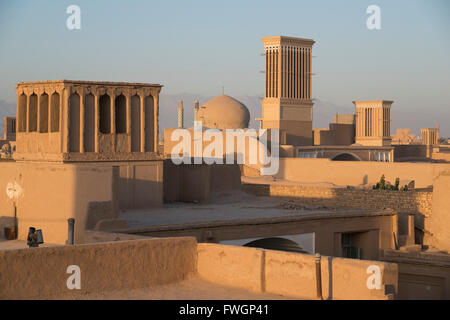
(422,258)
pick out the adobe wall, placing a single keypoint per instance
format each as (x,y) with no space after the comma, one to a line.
(411,152)
(42,272)
(248,171)
(241,149)
(401,201)
(225,177)
(124,265)
(8,174)
(353,173)
(186,182)
(421,275)
(441,156)
(338,134)
(46,195)
(344,133)
(323,137)
(196,182)
(139,184)
(38,143)
(231,265)
(438,224)
(292,274)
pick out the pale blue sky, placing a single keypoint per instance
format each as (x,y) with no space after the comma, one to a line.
(200,46)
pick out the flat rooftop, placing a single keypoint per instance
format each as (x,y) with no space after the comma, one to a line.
(194,288)
(19,244)
(233,208)
(86,82)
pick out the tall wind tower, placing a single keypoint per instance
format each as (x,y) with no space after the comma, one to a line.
(287,103)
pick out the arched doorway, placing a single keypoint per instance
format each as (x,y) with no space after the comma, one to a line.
(346,157)
(276,243)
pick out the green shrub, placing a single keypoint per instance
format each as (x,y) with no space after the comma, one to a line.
(397,182)
(383,185)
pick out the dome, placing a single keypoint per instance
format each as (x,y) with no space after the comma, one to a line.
(223,112)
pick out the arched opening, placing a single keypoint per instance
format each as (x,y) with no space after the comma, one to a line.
(346,157)
(22,113)
(135,123)
(89,123)
(276,243)
(149,124)
(74,123)
(54,110)
(32,116)
(43,113)
(121,114)
(105,114)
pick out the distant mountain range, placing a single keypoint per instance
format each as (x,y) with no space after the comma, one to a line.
(323,113)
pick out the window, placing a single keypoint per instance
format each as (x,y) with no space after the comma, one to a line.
(348,250)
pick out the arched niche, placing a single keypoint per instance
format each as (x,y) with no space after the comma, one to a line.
(74,123)
(105,114)
(121,114)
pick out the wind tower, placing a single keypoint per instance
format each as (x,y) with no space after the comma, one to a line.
(373,122)
(287,103)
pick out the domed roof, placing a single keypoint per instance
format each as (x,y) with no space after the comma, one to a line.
(223,112)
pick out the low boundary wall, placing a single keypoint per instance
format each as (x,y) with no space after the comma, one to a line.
(41,273)
(413,201)
(293,274)
(355,173)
